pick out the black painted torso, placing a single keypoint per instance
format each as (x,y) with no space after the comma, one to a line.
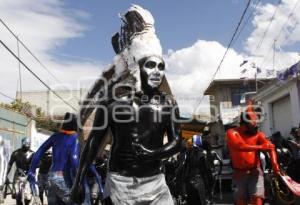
(147,123)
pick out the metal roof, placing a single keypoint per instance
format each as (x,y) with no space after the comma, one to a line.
(216,82)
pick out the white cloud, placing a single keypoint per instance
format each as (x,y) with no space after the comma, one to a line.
(46,25)
(284,28)
(191,69)
(42,26)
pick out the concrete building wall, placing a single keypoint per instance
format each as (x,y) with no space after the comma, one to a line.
(38,137)
(274,94)
(223,103)
(51,104)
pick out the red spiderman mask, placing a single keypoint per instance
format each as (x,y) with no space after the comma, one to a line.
(249,119)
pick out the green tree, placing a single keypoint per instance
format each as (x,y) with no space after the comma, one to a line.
(42,120)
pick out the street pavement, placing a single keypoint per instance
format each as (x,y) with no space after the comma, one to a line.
(10,201)
(226,200)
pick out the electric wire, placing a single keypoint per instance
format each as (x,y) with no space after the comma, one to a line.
(266,58)
(227,49)
(29,51)
(246,21)
(1,93)
(35,75)
(268,27)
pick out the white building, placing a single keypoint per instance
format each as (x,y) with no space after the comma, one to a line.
(38,136)
(50,103)
(281,106)
(280,101)
(226,96)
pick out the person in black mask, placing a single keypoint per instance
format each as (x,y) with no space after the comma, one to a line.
(138,122)
(43,179)
(137,148)
(22,157)
(196,168)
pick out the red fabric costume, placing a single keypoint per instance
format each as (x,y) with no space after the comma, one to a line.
(244,144)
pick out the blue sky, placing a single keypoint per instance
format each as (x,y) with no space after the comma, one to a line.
(72,38)
(179,24)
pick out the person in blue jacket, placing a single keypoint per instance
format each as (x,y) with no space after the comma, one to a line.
(66,150)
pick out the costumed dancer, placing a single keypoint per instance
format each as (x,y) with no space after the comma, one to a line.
(138,119)
(294,169)
(196,166)
(22,157)
(244,143)
(43,177)
(65,158)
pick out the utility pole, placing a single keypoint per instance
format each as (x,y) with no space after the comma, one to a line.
(20,79)
(255,76)
(274,49)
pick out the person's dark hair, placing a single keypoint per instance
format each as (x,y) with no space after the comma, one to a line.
(294,130)
(70,122)
(276,135)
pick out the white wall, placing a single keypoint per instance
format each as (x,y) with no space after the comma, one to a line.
(50,103)
(272,95)
(37,138)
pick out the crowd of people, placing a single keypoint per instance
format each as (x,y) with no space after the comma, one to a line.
(189,175)
(141,167)
(57,160)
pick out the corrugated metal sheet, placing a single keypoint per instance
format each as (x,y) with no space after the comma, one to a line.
(13,127)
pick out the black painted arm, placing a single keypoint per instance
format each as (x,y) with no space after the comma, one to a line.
(90,150)
(175,142)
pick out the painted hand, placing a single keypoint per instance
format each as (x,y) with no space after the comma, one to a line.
(77,193)
(31,178)
(267,146)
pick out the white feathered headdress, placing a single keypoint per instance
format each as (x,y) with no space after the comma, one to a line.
(135,41)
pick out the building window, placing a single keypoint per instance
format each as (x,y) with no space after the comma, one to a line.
(237,94)
(235,99)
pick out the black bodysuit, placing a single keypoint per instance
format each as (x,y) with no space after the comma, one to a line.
(138,128)
(22,158)
(148,122)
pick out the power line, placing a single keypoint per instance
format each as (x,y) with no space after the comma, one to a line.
(35,75)
(227,49)
(288,18)
(268,27)
(265,59)
(1,93)
(246,22)
(29,51)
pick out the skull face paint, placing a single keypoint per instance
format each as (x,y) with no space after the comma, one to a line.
(154,69)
